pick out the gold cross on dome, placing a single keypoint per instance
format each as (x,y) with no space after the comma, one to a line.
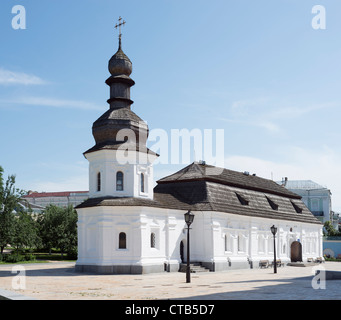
(121,22)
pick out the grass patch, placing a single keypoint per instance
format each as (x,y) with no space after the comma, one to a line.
(332,259)
(36,257)
(52,256)
(24,262)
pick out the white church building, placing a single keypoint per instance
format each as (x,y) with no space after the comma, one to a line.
(127,226)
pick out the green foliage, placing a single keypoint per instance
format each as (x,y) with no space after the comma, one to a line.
(14,258)
(26,231)
(329,230)
(30,257)
(72,253)
(9,203)
(332,259)
(56,227)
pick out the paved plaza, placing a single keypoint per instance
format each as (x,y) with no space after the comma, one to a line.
(59,281)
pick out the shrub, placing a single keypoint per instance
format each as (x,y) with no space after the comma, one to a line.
(72,254)
(30,257)
(14,258)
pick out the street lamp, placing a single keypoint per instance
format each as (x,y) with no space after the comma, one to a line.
(274,231)
(189,217)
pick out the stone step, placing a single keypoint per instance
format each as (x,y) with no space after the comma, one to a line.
(194,267)
(302,264)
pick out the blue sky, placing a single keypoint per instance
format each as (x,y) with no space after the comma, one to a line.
(257,69)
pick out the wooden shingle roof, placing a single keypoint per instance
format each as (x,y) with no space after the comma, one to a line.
(200,187)
(197,172)
(212,196)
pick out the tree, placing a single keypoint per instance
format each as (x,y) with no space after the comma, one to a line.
(26,231)
(58,228)
(9,201)
(331,231)
(46,226)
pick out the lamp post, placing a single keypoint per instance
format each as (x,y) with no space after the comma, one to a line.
(274,231)
(189,217)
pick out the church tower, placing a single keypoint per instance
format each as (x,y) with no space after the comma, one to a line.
(112,234)
(120,164)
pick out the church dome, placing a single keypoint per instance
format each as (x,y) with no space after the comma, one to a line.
(106,128)
(120,64)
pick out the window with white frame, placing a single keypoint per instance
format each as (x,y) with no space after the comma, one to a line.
(99,182)
(152,240)
(270,244)
(142,182)
(122,240)
(261,243)
(119,181)
(228,242)
(240,243)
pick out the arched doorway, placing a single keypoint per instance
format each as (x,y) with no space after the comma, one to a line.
(182,250)
(296,251)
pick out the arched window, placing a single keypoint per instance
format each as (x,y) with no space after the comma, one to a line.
(142,182)
(122,241)
(241,243)
(98,181)
(261,244)
(119,181)
(152,240)
(228,242)
(270,244)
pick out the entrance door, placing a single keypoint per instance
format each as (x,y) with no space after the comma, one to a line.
(182,251)
(296,251)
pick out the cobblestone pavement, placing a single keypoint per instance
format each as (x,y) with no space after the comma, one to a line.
(59,281)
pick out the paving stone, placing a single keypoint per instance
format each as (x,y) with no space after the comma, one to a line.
(59,281)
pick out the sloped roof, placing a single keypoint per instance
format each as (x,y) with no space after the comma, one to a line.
(120,146)
(118,115)
(211,196)
(54,194)
(197,171)
(198,189)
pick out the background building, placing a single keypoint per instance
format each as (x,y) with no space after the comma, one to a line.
(39,200)
(316,197)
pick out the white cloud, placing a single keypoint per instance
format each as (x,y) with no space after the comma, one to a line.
(268,113)
(53,102)
(252,112)
(8,77)
(261,123)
